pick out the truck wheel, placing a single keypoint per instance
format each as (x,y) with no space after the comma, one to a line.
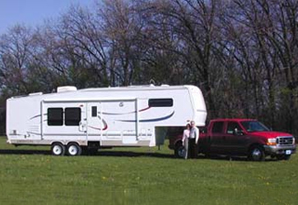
(257,153)
(58,149)
(73,149)
(179,151)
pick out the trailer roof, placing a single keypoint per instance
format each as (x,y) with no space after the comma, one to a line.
(142,87)
(70,89)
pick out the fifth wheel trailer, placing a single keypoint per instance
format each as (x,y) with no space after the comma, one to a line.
(71,120)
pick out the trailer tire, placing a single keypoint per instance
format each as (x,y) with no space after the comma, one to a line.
(73,149)
(58,149)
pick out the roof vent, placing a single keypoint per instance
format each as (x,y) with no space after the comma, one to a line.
(63,89)
(33,94)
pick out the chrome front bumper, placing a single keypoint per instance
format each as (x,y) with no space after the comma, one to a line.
(280,149)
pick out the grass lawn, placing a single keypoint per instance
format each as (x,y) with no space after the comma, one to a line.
(30,175)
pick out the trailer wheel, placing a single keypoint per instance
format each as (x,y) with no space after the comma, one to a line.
(73,149)
(58,149)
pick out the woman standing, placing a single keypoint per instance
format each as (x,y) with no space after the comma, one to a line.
(185,142)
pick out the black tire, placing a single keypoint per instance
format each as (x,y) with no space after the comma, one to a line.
(179,151)
(58,149)
(73,149)
(256,153)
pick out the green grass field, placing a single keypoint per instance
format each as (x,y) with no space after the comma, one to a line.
(30,175)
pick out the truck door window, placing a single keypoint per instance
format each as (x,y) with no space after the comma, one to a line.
(55,116)
(254,126)
(232,126)
(72,116)
(217,127)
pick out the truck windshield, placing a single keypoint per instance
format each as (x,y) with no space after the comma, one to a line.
(254,126)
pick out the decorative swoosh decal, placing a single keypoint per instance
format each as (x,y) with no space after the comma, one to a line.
(151,120)
(125,113)
(36,116)
(98,128)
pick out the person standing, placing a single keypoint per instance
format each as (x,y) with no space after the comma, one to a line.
(193,140)
(185,140)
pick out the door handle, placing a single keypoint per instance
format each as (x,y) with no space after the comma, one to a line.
(82,126)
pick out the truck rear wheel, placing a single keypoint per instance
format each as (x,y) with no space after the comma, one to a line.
(179,151)
(256,153)
(73,149)
(58,149)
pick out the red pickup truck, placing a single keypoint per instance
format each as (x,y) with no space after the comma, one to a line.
(241,137)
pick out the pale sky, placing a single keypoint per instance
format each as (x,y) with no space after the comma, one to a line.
(33,12)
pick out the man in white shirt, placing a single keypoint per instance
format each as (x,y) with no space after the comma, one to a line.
(193,139)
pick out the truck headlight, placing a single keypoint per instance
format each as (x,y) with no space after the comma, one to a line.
(271,141)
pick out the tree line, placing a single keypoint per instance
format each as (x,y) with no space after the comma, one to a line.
(242,54)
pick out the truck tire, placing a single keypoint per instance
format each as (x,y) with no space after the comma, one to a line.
(73,149)
(256,153)
(58,149)
(179,151)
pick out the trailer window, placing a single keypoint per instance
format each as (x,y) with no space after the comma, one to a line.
(161,102)
(55,116)
(94,111)
(72,116)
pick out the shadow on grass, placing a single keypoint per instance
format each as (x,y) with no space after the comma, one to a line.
(235,158)
(99,153)
(26,152)
(115,153)
(131,154)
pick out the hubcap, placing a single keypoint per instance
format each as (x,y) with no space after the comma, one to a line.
(57,150)
(72,150)
(181,152)
(256,154)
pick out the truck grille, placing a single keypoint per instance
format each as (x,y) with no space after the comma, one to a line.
(284,140)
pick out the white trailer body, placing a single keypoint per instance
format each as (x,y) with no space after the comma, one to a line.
(122,116)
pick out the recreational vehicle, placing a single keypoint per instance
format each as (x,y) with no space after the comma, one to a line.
(72,120)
